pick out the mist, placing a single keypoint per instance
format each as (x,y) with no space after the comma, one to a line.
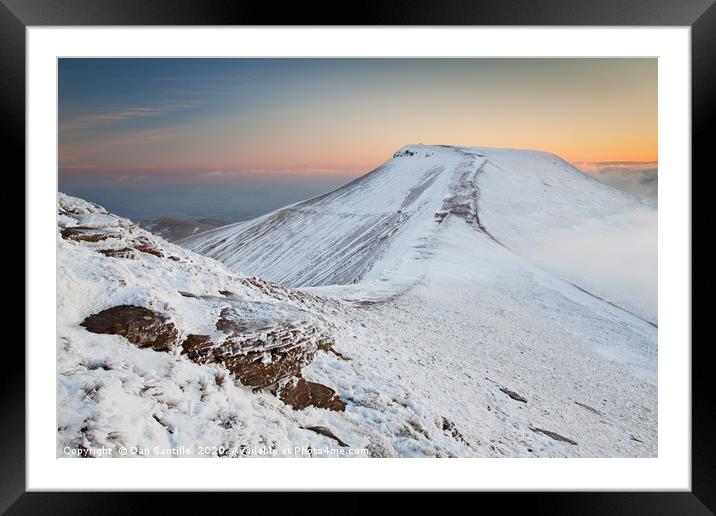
(638,178)
(616,261)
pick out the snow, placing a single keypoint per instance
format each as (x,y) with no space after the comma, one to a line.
(348,232)
(112,394)
(449,343)
(430,273)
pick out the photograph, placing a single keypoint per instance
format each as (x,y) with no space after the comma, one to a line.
(357,257)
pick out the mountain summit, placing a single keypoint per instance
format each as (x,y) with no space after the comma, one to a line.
(381,225)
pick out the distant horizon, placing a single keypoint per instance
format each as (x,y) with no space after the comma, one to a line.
(141,199)
(259,192)
(262,133)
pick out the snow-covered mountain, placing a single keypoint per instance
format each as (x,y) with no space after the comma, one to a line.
(421,310)
(374,228)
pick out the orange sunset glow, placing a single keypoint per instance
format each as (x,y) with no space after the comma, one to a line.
(329,114)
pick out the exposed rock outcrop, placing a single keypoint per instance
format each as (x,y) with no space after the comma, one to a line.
(449,427)
(554,435)
(514,395)
(89,224)
(198,348)
(140,326)
(328,433)
(260,361)
(299,393)
(259,343)
(83,234)
(124,252)
(145,245)
(261,369)
(257,359)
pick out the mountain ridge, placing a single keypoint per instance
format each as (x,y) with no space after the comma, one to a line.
(360,231)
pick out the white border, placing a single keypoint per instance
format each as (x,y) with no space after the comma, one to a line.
(672,468)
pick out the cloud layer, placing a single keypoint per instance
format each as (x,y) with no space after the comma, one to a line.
(616,260)
(640,178)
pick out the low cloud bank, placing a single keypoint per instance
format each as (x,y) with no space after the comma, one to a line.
(640,178)
(617,261)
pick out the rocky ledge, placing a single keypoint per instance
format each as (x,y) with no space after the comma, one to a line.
(138,325)
(270,357)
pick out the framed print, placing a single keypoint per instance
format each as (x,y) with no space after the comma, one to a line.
(435,247)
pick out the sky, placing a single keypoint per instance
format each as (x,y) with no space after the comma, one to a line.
(150,137)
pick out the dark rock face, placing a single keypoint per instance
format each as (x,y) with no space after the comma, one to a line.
(257,360)
(149,250)
(260,369)
(257,369)
(256,357)
(81,234)
(328,433)
(327,346)
(554,435)
(145,245)
(231,323)
(512,394)
(299,393)
(449,427)
(125,252)
(140,326)
(112,231)
(277,357)
(262,352)
(198,348)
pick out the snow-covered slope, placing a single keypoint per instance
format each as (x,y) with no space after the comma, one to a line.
(160,348)
(476,271)
(366,230)
(425,319)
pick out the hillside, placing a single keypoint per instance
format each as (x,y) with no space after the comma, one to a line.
(173,229)
(411,313)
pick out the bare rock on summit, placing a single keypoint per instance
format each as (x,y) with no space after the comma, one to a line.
(141,326)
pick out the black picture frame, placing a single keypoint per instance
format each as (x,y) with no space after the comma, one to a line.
(700,15)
